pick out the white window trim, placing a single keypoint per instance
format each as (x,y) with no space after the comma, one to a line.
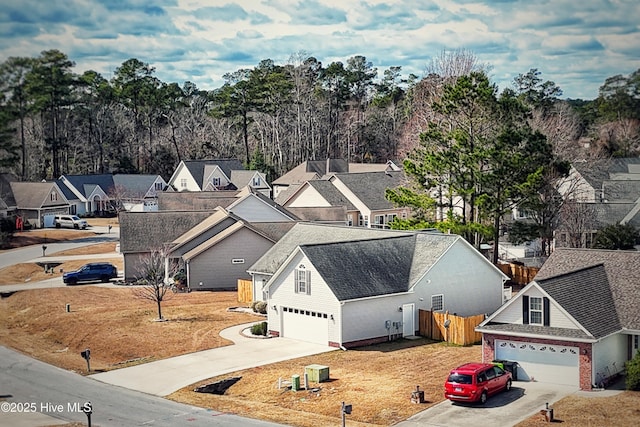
(237,261)
(533,309)
(302,273)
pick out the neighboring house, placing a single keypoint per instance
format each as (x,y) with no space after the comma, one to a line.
(96,194)
(576,324)
(143,232)
(205,175)
(254,180)
(137,193)
(319,200)
(216,252)
(366,192)
(38,202)
(348,286)
(608,192)
(87,194)
(287,184)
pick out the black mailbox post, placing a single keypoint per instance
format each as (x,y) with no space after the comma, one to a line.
(87,355)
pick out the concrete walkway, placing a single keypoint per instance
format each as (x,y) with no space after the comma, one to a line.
(163,377)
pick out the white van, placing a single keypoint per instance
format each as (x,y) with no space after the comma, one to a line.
(69,221)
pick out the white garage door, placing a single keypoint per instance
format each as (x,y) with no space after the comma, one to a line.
(305,325)
(553,364)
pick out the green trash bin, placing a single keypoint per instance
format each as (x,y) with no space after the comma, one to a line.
(295,383)
(499,363)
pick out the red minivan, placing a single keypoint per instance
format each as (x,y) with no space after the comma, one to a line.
(475,382)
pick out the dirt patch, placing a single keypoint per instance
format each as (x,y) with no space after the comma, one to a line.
(118,327)
(44,236)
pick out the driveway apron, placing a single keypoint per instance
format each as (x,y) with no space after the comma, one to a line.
(163,377)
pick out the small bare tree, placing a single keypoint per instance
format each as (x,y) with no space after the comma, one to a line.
(154,275)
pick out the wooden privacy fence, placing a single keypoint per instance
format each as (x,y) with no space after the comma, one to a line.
(461,330)
(520,274)
(245,290)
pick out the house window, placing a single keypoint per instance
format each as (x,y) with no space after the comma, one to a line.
(366,220)
(158,186)
(378,221)
(302,280)
(390,218)
(237,261)
(636,342)
(360,220)
(54,196)
(535,310)
(215,181)
(183,183)
(256,181)
(437,302)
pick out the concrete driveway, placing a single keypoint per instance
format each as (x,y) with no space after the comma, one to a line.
(504,409)
(163,377)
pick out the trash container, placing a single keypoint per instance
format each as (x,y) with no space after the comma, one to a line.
(511,367)
(499,363)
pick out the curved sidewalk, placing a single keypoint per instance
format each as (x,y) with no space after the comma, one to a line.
(163,377)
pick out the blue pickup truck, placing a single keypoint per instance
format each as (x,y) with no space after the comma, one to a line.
(102,271)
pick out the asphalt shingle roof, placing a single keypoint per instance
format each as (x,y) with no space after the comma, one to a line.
(196,167)
(195,201)
(86,183)
(586,295)
(341,266)
(144,231)
(370,187)
(623,277)
(330,193)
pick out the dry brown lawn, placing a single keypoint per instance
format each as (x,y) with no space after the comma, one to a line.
(377,380)
(118,327)
(622,410)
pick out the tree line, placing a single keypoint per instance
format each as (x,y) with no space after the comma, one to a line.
(55,121)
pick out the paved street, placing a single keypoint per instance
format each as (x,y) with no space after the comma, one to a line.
(33,393)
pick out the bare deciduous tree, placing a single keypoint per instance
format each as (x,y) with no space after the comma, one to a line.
(154,275)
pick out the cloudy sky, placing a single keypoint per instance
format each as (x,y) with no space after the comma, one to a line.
(577,44)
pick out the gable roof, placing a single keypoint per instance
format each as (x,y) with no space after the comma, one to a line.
(252,192)
(623,276)
(331,194)
(369,187)
(243,178)
(304,233)
(387,270)
(85,184)
(34,195)
(599,289)
(145,231)
(196,167)
(135,185)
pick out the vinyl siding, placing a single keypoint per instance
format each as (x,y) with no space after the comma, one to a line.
(185,174)
(253,209)
(321,299)
(308,198)
(365,319)
(469,284)
(197,240)
(132,265)
(513,313)
(214,267)
(611,350)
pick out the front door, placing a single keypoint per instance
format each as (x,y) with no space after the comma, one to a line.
(408,320)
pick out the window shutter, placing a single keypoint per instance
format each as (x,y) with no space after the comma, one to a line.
(308,282)
(525,310)
(546,315)
(295,281)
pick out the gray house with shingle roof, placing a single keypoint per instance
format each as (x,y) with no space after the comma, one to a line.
(216,252)
(205,175)
(142,232)
(576,324)
(350,286)
(38,202)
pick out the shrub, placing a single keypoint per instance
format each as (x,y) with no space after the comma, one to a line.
(259,307)
(632,367)
(259,329)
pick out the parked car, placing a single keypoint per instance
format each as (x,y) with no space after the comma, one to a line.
(102,271)
(475,382)
(69,221)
